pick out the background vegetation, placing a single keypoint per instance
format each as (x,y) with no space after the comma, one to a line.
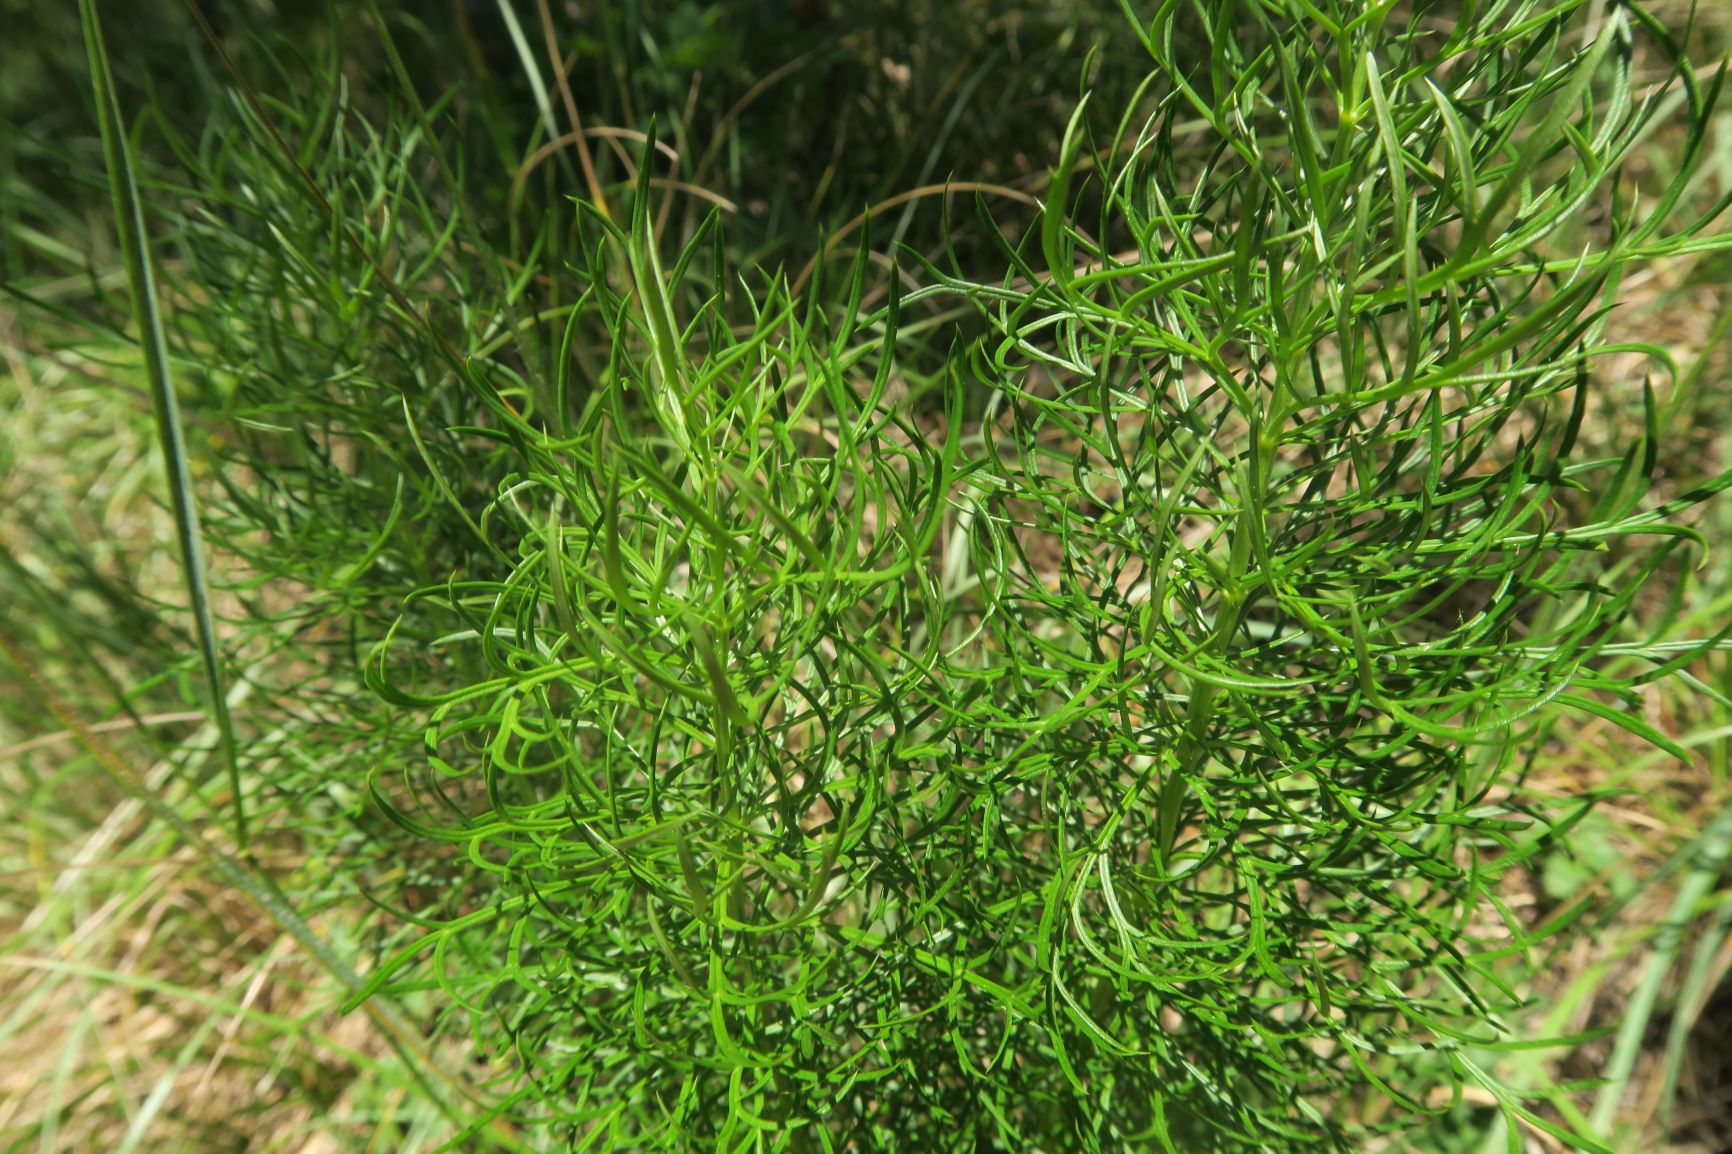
(773,639)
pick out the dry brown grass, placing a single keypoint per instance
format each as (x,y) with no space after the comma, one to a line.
(144,1005)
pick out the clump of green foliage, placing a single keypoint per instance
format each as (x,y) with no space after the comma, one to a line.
(941,679)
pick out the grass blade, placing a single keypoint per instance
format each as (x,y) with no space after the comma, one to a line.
(135,247)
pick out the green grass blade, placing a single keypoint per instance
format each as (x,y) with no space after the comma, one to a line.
(135,247)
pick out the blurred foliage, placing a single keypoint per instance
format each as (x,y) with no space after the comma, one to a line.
(911,92)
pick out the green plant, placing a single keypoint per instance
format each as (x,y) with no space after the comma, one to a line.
(1069,689)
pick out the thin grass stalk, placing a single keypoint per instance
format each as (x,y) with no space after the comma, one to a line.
(134,237)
